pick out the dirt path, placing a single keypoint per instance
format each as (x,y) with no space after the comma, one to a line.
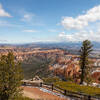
(37,94)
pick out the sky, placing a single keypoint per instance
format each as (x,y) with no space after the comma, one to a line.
(28,21)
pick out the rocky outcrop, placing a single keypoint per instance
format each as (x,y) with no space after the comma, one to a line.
(96,76)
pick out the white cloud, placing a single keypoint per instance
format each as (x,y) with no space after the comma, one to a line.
(30,31)
(6,23)
(52,30)
(3,13)
(82,21)
(81,36)
(28,17)
(46,40)
(3,41)
(31,18)
(85,26)
(62,34)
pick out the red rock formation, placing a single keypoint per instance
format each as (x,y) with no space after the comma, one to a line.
(96,76)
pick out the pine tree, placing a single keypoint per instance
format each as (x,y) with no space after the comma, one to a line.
(10,77)
(85,51)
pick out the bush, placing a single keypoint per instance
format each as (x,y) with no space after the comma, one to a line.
(51,80)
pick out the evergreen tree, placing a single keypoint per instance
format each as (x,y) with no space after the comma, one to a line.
(10,77)
(85,51)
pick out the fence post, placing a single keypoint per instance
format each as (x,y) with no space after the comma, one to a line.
(24,83)
(64,92)
(52,87)
(89,97)
(40,84)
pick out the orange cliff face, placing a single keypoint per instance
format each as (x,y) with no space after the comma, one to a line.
(69,70)
(68,66)
(24,53)
(96,76)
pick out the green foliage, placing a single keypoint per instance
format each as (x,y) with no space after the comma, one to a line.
(10,77)
(85,51)
(51,80)
(89,90)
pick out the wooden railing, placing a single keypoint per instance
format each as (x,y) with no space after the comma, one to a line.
(76,95)
(79,96)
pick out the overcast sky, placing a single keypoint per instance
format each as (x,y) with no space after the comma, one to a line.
(24,21)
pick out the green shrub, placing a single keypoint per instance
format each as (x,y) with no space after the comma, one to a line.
(51,80)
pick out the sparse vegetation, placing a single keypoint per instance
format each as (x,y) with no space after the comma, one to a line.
(51,79)
(89,90)
(36,66)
